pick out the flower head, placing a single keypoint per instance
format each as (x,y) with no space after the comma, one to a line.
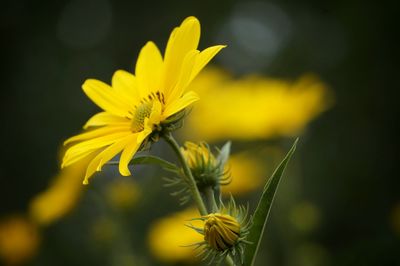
(140,107)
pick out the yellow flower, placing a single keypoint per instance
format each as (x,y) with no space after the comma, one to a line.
(135,106)
(19,240)
(253,107)
(61,196)
(169,236)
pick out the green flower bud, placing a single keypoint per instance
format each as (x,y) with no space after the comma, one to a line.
(224,232)
(221,231)
(207,170)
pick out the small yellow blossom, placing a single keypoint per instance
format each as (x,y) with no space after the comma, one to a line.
(253,107)
(169,236)
(139,107)
(19,240)
(61,196)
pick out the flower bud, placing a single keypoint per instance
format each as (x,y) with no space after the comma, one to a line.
(207,170)
(224,232)
(221,231)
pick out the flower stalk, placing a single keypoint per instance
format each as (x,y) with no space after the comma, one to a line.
(212,204)
(191,182)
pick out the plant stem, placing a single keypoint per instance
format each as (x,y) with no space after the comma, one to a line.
(191,182)
(212,204)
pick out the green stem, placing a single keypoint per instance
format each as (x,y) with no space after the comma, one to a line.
(191,182)
(212,204)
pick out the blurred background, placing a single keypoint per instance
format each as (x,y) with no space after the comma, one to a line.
(321,70)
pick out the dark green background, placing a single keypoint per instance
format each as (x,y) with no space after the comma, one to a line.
(347,156)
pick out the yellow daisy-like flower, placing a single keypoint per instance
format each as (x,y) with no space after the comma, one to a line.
(253,106)
(135,106)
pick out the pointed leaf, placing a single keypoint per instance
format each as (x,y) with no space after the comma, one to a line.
(261,213)
(223,155)
(222,159)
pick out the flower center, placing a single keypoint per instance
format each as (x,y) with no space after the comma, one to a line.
(142,112)
(221,231)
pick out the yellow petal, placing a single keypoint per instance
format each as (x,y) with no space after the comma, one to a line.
(106,98)
(90,145)
(203,58)
(103,157)
(89,134)
(148,69)
(130,150)
(182,40)
(125,84)
(187,99)
(184,77)
(104,118)
(78,157)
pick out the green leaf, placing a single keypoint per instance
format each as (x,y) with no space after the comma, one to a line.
(261,213)
(150,159)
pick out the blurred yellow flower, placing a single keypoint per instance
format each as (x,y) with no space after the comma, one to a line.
(138,107)
(19,240)
(169,236)
(253,107)
(60,197)
(246,172)
(122,193)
